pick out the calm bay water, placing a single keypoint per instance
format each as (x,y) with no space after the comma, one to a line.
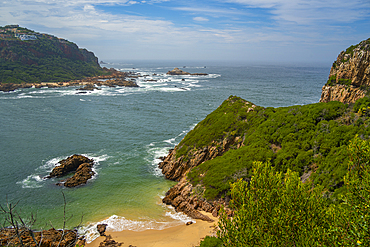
(125,130)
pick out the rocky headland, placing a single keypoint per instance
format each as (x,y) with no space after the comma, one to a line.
(186,198)
(80,165)
(113,78)
(349,77)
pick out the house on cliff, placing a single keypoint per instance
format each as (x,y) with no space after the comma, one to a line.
(24,37)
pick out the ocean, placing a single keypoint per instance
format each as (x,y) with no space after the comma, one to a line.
(125,131)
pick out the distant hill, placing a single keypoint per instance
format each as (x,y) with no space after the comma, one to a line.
(28,56)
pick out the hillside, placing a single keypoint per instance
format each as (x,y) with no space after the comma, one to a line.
(28,56)
(310,139)
(349,77)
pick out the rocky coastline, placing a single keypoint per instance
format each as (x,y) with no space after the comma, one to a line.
(113,78)
(186,198)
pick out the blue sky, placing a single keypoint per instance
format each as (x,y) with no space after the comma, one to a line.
(292,31)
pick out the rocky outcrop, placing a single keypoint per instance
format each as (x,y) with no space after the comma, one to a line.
(349,77)
(101,229)
(81,165)
(83,173)
(45,238)
(342,93)
(183,196)
(177,71)
(110,242)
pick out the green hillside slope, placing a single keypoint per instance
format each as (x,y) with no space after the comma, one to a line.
(309,139)
(28,56)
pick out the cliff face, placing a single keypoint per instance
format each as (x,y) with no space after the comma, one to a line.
(349,77)
(184,196)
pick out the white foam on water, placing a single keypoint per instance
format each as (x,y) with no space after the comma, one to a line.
(117,223)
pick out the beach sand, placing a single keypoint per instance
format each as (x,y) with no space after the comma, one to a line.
(179,236)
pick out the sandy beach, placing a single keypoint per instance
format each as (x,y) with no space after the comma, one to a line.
(179,236)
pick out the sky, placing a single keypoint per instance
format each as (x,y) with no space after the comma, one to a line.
(274,31)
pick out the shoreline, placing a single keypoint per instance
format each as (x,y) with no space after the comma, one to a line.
(115,78)
(183,235)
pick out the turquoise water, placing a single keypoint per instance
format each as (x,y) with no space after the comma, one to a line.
(125,130)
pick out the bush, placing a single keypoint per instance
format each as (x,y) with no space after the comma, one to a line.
(211,242)
(274,210)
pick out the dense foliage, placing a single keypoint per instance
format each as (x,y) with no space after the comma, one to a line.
(310,138)
(276,209)
(46,59)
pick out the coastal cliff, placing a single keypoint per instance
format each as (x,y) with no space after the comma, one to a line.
(29,56)
(349,77)
(310,139)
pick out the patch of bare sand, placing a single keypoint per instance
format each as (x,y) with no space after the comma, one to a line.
(179,236)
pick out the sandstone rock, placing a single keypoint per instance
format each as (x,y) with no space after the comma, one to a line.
(88,87)
(81,165)
(177,71)
(83,173)
(69,165)
(349,77)
(101,229)
(181,196)
(109,242)
(45,238)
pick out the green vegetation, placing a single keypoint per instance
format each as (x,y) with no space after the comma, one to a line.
(299,138)
(333,81)
(46,59)
(277,209)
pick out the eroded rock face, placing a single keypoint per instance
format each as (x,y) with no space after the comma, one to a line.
(183,196)
(349,77)
(81,165)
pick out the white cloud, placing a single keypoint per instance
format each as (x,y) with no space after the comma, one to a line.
(200,19)
(112,35)
(307,12)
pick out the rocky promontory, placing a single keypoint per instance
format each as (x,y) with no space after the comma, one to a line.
(112,78)
(79,164)
(349,77)
(184,197)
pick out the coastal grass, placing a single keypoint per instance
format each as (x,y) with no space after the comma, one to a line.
(309,138)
